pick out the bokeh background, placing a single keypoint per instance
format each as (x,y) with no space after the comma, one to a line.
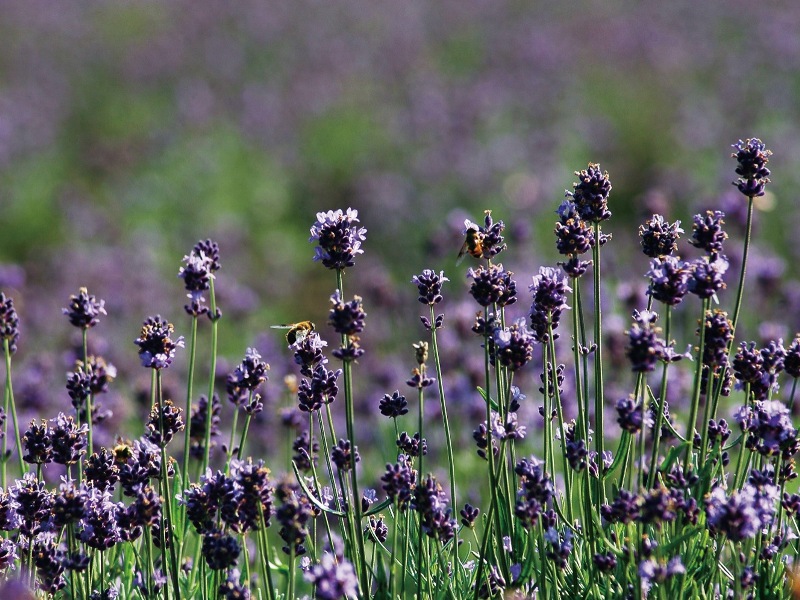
(129,130)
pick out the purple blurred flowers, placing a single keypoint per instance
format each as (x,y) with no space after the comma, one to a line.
(333,579)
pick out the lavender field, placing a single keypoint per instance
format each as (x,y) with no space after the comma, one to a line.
(401,362)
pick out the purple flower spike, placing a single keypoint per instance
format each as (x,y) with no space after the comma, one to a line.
(338,237)
(590,194)
(156,347)
(429,285)
(770,429)
(742,514)
(752,157)
(549,289)
(333,580)
(84,309)
(346,318)
(512,346)
(645,348)
(707,233)
(707,276)
(573,235)
(197,273)
(320,389)
(669,280)
(9,322)
(493,285)
(246,377)
(659,237)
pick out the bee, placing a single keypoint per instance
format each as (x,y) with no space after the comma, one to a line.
(473,242)
(122,452)
(297,331)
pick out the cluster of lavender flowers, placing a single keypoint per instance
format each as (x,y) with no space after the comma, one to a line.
(576,511)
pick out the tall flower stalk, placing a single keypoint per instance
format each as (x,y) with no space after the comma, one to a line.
(198,276)
(9,331)
(339,242)
(752,157)
(429,286)
(156,352)
(197,273)
(590,196)
(84,312)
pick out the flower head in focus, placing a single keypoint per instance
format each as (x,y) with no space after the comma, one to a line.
(338,237)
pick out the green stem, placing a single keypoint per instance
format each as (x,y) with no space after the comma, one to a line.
(745,252)
(148,542)
(211,376)
(189,393)
(448,437)
(317,486)
(89,411)
(583,413)
(350,419)
(102,571)
(290,575)
(696,389)
(262,535)
(706,417)
(660,409)
(336,496)
(487,532)
(406,549)
(496,465)
(71,546)
(245,429)
(393,568)
(9,393)
(233,438)
(420,479)
(598,366)
(6,401)
(741,463)
(549,453)
(567,473)
(739,296)
(166,518)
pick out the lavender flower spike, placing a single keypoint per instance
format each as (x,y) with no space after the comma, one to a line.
(659,237)
(84,309)
(429,285)
(9,322)
(590,194)
(156,347)
(338,237)
(752,157)
(333,580)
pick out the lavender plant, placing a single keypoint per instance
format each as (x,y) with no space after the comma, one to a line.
(566,500)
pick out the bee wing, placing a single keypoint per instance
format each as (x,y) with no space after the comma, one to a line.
(285,326)
(462,253)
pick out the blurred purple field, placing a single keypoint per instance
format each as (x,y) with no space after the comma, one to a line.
(128,131)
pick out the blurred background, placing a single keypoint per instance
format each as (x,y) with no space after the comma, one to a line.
(130,130)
